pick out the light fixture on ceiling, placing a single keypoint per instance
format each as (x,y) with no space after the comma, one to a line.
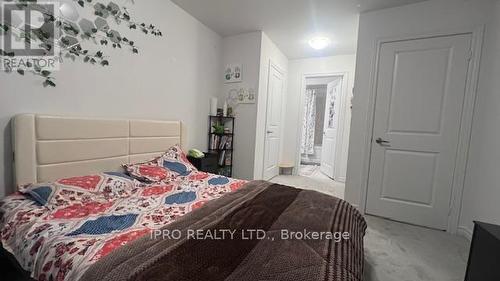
(319,43)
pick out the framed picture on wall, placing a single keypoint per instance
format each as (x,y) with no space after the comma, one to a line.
(233,73)
(241,96)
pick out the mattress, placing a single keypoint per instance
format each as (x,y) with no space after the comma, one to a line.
(63,241)
(118,238)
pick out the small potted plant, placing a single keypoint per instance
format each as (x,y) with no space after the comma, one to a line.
(218,128)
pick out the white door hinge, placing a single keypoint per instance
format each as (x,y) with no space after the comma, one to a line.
(470,56)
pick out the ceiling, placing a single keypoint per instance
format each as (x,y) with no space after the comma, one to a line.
(290,23)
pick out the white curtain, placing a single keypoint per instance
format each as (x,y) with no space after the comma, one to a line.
(309,123)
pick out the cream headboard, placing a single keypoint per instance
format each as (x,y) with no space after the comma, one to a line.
(50,147)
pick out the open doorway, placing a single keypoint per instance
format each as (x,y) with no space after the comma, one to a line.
(320,130)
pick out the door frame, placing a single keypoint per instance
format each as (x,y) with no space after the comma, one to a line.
(340,132)
(278,68)
(458,181)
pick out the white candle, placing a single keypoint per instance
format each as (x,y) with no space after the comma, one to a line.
(213,106)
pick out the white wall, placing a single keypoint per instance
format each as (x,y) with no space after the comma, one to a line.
(171,78)
(245,49)
(269,53)
(481,190)
(297,70)
(253,50)
(482,183)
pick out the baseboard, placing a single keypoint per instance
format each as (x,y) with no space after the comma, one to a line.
(465,232)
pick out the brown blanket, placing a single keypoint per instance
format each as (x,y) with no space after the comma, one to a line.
(263,231)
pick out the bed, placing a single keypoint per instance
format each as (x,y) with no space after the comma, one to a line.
(85,219)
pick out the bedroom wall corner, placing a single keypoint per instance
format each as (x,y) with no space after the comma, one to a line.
(172,78)
(270,53)
(481,190)
(420,19)
(242,49)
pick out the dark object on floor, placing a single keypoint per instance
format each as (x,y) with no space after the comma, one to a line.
(11,269)
(484,254)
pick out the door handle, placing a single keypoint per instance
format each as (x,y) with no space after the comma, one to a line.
(269,132)
(381,141)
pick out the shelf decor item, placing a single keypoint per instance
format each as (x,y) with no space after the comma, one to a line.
(242,95)
(221,143)
(218,128)
(224,109)
(213,106)
(232,73)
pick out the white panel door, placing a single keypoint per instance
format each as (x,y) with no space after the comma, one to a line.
(420,93)
(273,123)
(330,127)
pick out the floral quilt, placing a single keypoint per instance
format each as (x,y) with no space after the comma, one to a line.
(57,231)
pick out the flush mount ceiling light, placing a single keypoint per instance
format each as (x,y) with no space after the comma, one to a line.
(319,43)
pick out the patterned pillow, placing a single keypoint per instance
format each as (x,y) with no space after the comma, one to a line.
(53,195)
(176,161)
(41,194)
(66,191)
(148,171)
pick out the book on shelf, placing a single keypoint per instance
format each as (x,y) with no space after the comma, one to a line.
(229,142)
(225,142)
(222,158)
(220,142)
(225,171)
(228,159)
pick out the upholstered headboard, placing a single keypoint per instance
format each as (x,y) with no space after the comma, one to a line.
(51,147)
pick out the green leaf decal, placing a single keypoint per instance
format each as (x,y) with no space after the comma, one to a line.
(73,32)
(48,82)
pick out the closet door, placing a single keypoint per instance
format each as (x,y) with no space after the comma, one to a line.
(273,123)
(420,93)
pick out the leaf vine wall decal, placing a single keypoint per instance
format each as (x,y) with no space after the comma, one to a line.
(61,34)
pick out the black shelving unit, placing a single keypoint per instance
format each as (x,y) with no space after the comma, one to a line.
(222,144)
